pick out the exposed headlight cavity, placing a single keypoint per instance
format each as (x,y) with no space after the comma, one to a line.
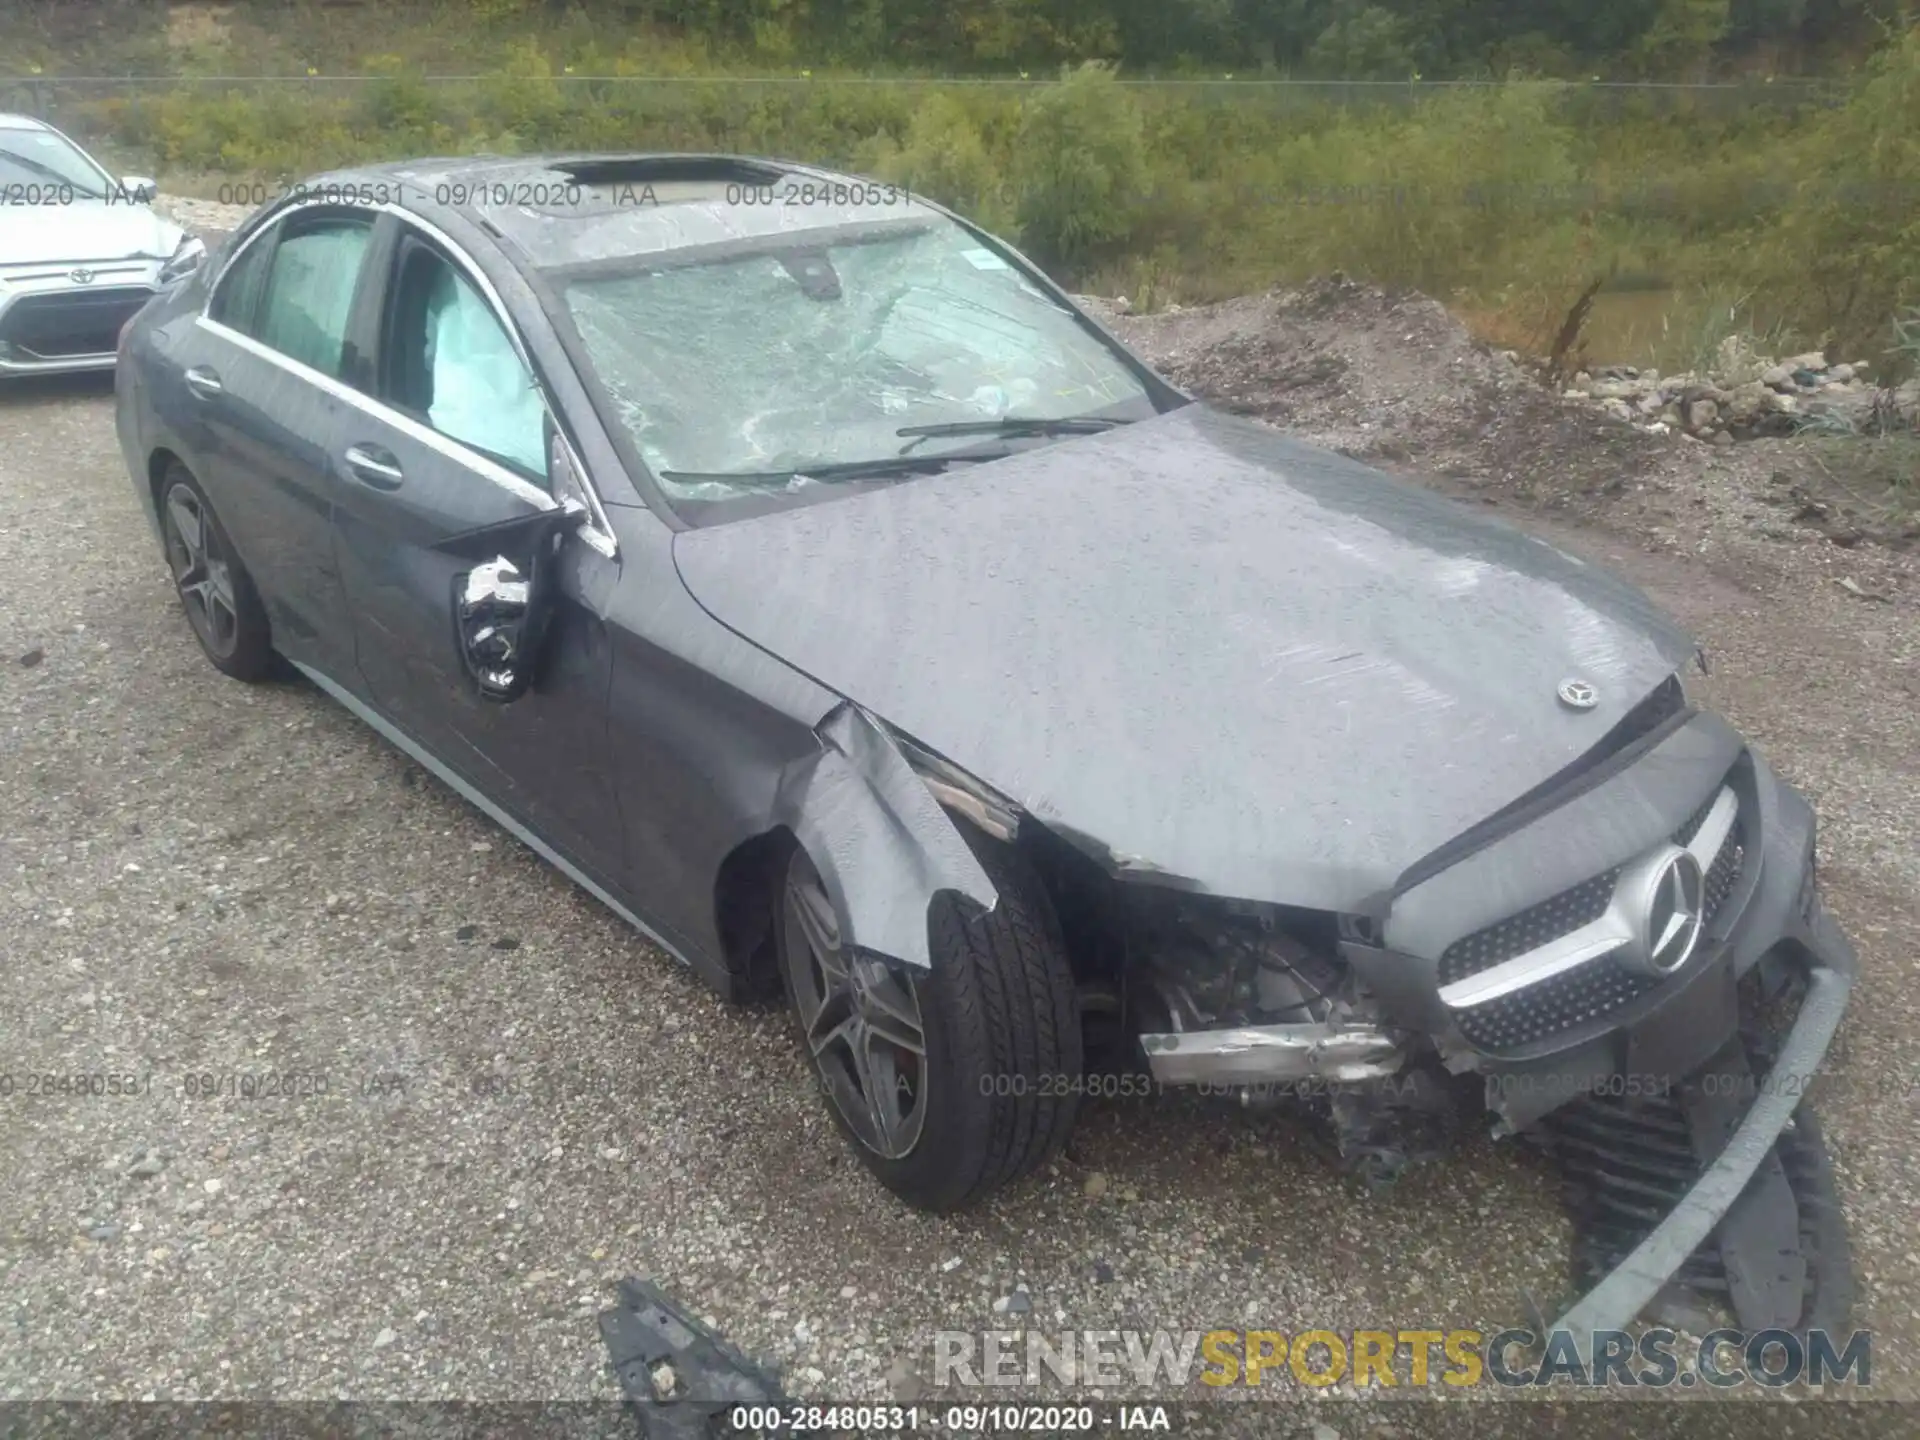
(959,791)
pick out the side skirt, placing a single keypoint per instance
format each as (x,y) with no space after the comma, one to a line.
(394,736)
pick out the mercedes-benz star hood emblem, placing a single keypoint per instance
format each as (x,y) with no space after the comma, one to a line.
(1577,694)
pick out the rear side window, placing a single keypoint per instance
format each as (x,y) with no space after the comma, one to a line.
(234,302)
(308,296)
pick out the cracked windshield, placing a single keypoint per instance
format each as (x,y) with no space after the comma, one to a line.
(838,350)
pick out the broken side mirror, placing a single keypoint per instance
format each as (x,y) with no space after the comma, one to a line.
(496,643)
(502,606)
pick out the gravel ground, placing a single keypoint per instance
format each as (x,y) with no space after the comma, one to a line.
(524,1101)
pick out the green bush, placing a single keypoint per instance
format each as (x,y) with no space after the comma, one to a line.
(1078,168)
(1433,196)
(943,156)
(1845,253)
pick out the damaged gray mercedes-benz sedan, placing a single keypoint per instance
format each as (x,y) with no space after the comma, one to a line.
(802,572)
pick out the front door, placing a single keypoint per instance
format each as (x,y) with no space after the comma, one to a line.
(454,440)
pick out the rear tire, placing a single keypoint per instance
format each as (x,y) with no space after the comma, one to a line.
(993,1092)
(222,606)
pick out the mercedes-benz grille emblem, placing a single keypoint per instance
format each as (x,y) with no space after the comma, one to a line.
(80,275)
(1667,912)
(1577,694)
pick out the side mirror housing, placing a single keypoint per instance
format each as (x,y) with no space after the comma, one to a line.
(501,611)
(491,613)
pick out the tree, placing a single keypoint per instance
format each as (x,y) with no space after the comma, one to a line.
(1363,42)
(1682,36)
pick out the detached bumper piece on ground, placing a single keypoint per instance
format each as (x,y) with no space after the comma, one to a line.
(1779,1257)
(681,1379)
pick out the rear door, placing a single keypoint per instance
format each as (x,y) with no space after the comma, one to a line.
(455,440)
(262,387)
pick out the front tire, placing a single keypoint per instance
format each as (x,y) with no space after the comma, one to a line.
(221,604)
(951,1083)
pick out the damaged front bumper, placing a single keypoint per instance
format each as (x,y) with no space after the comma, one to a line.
(1743,1191)
(1671,1104)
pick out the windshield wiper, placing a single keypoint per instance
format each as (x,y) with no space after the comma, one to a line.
(1012,426)
(838,469)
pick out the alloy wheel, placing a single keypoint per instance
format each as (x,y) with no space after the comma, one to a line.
(202,571)
(861,1020)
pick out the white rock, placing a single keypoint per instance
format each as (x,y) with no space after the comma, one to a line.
(1619,389)
(1747,401)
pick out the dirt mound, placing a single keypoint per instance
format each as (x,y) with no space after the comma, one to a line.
(1391,378)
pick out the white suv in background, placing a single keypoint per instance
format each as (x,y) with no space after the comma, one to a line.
(80,252)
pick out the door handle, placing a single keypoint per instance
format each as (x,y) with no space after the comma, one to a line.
(204,382)
(372,465)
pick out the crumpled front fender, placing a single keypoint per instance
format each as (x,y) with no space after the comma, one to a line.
(882,844)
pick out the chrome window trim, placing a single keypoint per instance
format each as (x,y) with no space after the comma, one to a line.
(490,469)
(1591,941)
(595,528)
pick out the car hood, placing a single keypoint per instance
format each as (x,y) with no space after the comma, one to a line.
(85,230)
(1201,650)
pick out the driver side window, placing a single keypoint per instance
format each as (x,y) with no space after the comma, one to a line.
(448,362)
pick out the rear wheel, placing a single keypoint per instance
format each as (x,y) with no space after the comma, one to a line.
(221,604)
(953,1082)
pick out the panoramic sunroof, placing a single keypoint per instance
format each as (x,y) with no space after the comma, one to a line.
(645,169)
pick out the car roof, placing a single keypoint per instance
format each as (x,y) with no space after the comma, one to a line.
(563,211)
(22,122)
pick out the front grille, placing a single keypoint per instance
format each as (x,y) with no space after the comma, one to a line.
(1589,992)
(1724,873)
(70,323)
(1528,930)
(1554,1006)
